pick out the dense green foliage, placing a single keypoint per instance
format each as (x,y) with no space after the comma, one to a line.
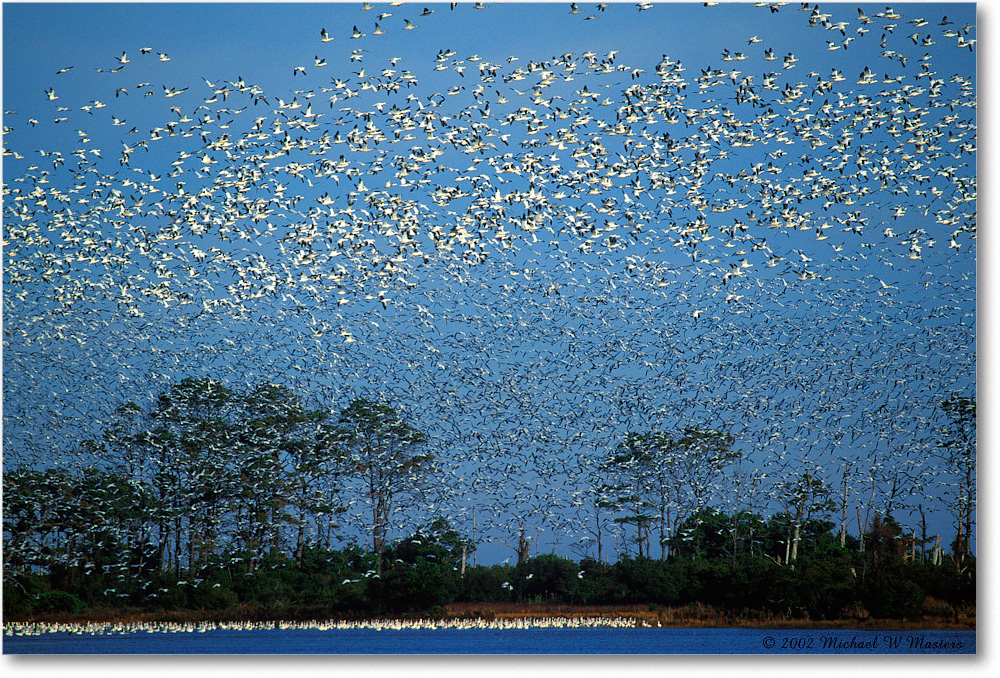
(424,572)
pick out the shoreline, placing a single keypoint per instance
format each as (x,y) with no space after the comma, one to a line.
(464,616)
(12,629)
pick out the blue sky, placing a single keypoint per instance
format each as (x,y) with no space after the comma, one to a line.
(812,289)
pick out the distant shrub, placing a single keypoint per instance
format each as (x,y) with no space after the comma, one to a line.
(16,599)
(890,594)
(59,601)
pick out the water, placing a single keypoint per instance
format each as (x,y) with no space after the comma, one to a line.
(497,641)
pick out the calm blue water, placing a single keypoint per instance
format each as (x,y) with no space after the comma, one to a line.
(528,641)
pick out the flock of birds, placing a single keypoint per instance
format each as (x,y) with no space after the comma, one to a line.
(502,624)
(529,254)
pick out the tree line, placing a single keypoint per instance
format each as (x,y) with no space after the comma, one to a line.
(714,573)
(224,487)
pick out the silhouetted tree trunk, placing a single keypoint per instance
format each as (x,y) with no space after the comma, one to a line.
(959,450)
(379,448)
